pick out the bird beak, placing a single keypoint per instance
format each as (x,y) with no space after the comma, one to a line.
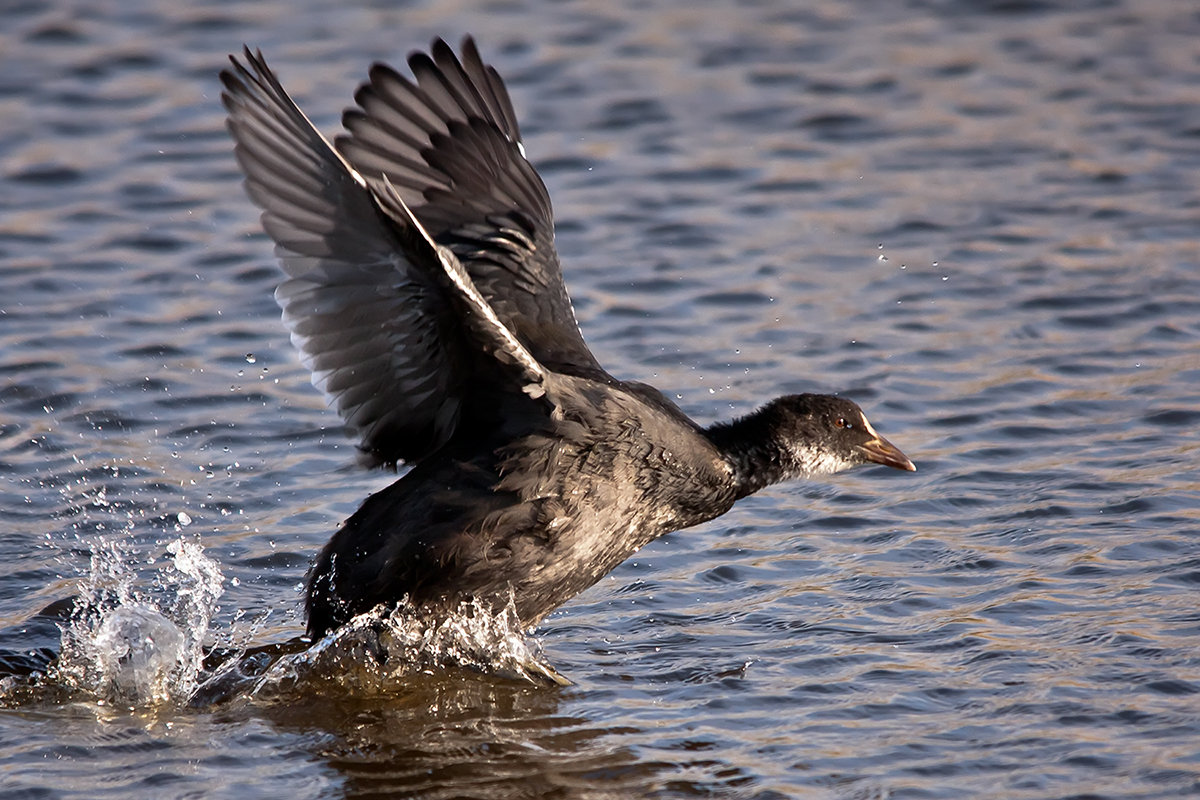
(880,451)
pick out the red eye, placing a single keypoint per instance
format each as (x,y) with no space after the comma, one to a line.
(840,422)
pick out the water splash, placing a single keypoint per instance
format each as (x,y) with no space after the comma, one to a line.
(127,646)
(375,652)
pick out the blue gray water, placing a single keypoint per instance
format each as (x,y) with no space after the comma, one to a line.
(978,219)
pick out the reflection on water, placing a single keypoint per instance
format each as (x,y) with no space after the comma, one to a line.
(482,737)
(976,219)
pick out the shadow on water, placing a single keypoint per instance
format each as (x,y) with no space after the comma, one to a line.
(484,735)
(435,726)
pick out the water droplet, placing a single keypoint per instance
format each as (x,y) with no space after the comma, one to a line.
(183,518)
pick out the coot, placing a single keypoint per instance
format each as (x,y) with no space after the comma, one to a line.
(424,292)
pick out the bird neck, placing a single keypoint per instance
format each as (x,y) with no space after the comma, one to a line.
(753,449)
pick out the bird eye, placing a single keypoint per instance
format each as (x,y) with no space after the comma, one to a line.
(840,422)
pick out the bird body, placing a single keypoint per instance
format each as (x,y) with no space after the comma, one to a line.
(533,515)
(423,290)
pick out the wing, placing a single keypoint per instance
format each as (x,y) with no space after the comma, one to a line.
(375,328)
(448,142)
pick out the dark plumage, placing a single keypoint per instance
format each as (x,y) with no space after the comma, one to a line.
(424,292)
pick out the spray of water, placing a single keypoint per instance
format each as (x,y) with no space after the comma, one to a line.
(376,652)
(127,646)
(134,647)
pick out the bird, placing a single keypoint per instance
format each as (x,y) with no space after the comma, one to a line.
(423,290)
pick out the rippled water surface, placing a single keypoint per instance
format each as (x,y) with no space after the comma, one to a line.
(978,219)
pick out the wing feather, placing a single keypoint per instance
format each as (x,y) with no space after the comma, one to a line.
(420,243)
(447,141)
(373,326)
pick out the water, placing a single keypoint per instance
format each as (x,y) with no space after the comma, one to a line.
(977,219)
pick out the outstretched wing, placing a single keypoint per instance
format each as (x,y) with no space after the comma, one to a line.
(448,142)
(372,324)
